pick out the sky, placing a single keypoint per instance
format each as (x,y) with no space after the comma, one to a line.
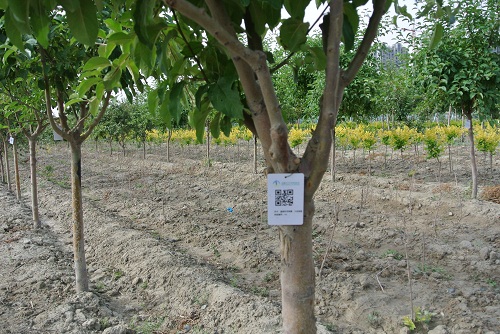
(312,14)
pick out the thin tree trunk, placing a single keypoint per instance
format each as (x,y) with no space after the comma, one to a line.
(144,150)
(208,144)
(449,115)
(82,283)
(7,167)
(2,169)
(470,133)
(297,275)
(34,184)
(449,158)
(334,142)
(16,171)
(169,138)
(255,154)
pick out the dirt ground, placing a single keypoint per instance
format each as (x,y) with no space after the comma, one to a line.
(183,247)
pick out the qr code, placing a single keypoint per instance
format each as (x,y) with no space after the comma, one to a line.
(283,197)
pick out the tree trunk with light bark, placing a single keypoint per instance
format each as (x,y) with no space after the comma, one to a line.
(16,170)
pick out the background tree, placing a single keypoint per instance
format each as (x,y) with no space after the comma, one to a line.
(464,67)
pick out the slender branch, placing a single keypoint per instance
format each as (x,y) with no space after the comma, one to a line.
(48,105)
(366,43)
(318,148)
(98,118)
(290,55)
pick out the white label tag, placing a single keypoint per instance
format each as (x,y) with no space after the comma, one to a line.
(11,140)
(467,124)
(285,199)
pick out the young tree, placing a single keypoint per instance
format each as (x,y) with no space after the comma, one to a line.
(464,68)
(251,71)
(82,77)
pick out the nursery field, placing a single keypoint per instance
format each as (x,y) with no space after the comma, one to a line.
(184,247)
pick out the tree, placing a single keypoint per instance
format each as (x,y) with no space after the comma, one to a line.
(30,116)
(83,79)
(264,117)
(463,68)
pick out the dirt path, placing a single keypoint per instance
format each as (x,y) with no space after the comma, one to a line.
(181,247)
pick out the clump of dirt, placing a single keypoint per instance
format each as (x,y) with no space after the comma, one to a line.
(491,194)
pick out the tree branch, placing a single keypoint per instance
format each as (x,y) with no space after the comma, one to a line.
(366,43)
(316,156)
(98,118)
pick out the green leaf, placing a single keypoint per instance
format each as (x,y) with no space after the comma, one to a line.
(14,34)
(215,125)
(192,49)
(120,38)
(293,33)
(86,84)
(152,101)
(40,22)
(165,112)
(319,57)
(96,63)
(350,25)
(263,13)
(83,21)
(199,94)
(226,126)
(19,13)
(73,101)
(146,28)
(175,96)
(437,35)
(296,8)
(112,78)
(198,120)
(225,98)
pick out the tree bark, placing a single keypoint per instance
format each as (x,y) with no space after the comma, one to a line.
(16,170)
(78,227)
(7,167)
(470,133)
(2,170)
(298,275)
(255,154)
(34,184)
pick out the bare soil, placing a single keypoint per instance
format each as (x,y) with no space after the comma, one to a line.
(184,247)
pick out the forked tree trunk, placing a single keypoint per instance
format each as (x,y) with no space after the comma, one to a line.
(470,133)
(297,275)
(34,184)
(16,170)
(82,283)
(7,167)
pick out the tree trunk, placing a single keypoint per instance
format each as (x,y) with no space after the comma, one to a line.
(2,170)
(208,145)
(34,184)
(16,171)
(334,144)
(449,159)
(298,276)
(470,133)
(78,227)
(255,154)
(7,167)
(144,150)
(169,137)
